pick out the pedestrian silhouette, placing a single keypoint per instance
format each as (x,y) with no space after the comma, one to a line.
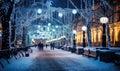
(40,46)
(52,46)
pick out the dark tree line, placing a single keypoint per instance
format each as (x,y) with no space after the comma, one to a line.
(6,8)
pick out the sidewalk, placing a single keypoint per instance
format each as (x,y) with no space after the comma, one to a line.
(113,48)
(57,60)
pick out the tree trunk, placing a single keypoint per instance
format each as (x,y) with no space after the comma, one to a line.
(108,35)
(13,32)
(6,13)
(89,34)
(24,36)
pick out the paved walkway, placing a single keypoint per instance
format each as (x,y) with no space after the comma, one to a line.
(57,60)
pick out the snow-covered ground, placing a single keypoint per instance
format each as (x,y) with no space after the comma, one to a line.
(57,60)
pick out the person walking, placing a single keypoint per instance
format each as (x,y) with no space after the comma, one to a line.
(52,46)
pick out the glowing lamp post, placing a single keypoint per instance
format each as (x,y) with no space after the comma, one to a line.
(84,28)
(74,38)
(104,20)
(73,49)
(74,11)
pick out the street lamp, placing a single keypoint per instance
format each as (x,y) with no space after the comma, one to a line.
(73,49)
(104,20)
(74,38)
(84,28)
(74,11)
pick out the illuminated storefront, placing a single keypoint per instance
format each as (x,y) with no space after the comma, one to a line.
(96,31)
(96,35)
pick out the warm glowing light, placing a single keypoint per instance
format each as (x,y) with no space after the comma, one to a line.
(84,28)
(52,40)
(19,42)
(62,37)
(0,27)
(33,40)
(104,20)
(96,35)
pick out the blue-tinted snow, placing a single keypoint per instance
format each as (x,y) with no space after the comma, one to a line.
(57,60)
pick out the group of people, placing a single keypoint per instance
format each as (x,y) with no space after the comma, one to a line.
(41,46)
(52,46)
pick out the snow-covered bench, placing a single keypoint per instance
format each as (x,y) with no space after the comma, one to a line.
(93,52)
(86,51)
(106,55)
(79,50)
(117,58)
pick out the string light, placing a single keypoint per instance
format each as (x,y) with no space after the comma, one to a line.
(74,11)
(60,14)
(39,11)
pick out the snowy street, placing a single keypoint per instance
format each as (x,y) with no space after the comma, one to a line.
(59,35)
(57,60)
